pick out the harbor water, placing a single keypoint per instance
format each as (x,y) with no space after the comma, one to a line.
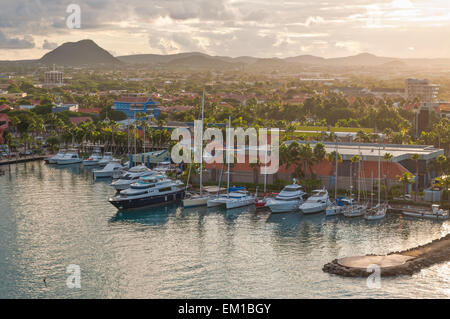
(53,217)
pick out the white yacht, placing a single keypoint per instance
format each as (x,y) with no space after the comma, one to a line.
(377,212)
(162,167)
(131,176)
(109,170)
(237,197)
(435,213)
(357,210)
(107,157)
(338,207)
(149,191)
(59,155)
(94,159)
(288,200)
(316,203)
(70,157)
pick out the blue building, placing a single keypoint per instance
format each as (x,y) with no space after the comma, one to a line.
(135,104)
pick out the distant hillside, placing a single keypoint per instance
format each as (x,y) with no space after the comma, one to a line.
(306,59)
(84,52)
(360,59)
(156,58)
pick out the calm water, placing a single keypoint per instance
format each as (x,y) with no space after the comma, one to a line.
(52,217)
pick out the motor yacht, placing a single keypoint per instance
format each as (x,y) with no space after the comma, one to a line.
(59,155)
(316,203)
(288,200)
(109,170)
(70,157)
(149,191)
(107,157)
(131,176)
(94,159)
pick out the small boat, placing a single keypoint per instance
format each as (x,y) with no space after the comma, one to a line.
(94,159)
(107,157)
(131,176)
(377,212)
(236,197)
(109,170)
(338,207)
(435,213)
(288,200)
(357,210)
(149,191)
(316,203)
(70,157)
(194,200)
(54,159)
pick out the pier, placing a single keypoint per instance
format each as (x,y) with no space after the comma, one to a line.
(22,159)
(405,262)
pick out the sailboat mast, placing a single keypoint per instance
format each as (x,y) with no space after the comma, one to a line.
(379,175)
(201,161)
(336,173)
(359,173)
(228,160)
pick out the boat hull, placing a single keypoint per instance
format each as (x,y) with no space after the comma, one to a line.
(239,203)
(194,202)
(68,161)
(425,215)
(90,163)
(155,200)
(313,209)
(334,211)
(283,207)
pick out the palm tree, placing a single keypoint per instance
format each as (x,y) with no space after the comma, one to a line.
(406,179)
(441,160)
(416,157)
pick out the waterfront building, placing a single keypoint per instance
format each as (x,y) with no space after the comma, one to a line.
(133,104)
(422,89)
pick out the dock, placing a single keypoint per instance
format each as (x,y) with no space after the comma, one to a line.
(24,159)
(405,262)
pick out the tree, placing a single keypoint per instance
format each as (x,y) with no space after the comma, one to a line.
(406,179)
(416,157)
(441,159)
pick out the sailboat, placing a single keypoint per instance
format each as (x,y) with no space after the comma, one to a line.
(379,211)
(237,197)
(360,208)
(261,203)
(200,199)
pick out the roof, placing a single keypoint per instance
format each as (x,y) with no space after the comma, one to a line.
(79,120)
(93,110)
(5,107)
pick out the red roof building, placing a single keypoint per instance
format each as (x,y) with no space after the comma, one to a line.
(92,110)
(4,107)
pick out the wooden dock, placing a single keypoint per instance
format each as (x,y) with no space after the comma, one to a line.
(24,159)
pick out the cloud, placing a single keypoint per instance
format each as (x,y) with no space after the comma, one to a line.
(263,28)
(16,43)
(49,45)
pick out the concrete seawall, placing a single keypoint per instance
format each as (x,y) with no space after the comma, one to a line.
(399,263)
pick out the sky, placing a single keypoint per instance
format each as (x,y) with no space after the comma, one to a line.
(261,28)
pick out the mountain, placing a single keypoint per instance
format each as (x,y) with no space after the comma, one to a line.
(306,59)
(84,52)
(360,59)
(156,58)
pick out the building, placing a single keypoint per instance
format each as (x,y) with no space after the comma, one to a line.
(421,89)
(5,107)
(26,107)
(347,172)
(53,78)
(65,107)
(4,123)
(133,104)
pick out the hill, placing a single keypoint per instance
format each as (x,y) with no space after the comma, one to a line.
(84,52)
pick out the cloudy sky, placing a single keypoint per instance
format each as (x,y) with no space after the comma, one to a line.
(263,28)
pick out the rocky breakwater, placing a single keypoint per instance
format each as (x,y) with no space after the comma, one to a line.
(405,262)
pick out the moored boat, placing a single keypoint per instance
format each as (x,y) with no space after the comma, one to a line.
(149,191)
(131,176)
(109,170)
(288,200)
(435,213)
(316,203)
(70,157)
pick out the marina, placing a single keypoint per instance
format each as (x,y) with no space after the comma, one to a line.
(54,216)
